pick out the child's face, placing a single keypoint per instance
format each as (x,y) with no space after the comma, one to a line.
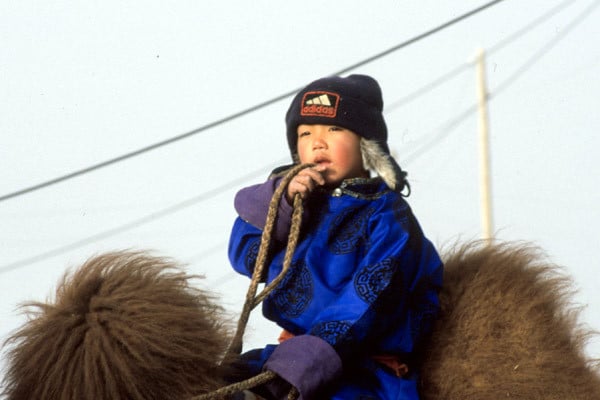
(334,148)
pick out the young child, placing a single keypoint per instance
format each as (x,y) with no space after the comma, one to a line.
(362,291)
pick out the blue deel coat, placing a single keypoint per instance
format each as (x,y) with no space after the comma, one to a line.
(363,278)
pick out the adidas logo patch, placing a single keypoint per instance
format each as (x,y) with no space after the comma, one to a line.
(322,99)
(320,104)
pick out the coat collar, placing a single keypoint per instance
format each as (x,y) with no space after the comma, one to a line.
(361,188)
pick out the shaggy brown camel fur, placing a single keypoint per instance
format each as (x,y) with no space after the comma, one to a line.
(127,325)
(507,330)
(123,326)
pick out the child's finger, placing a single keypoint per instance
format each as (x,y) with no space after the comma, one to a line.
(314,174)
(297,186)
(320,167)
(306,180)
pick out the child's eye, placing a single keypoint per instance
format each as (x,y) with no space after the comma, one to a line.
(305,133)
(335,128)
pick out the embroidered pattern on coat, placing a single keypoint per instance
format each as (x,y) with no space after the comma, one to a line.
(331,331)
(373,279)
(349,230)
(252,255)
(423,320)
(401,213)
(295,292)
(425,308)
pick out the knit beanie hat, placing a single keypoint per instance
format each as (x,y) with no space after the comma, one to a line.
(356,103)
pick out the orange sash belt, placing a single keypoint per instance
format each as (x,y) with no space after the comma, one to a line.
(391,361)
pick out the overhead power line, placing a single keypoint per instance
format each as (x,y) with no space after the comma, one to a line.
(140,221)
(427,87)
(420,37)
(520,32)
(445,77)
(443,131)
(246,111)
(447,127)
(548,46)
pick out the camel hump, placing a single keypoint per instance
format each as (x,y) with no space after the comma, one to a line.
(507,328)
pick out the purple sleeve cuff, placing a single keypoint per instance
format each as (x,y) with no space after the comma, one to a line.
(307,362)
(252,205)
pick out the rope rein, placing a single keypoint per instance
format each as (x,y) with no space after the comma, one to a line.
(252,299)
(257,380)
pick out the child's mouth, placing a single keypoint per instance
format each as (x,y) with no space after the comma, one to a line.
(322,162)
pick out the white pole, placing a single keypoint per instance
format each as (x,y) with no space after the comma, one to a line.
(484,151)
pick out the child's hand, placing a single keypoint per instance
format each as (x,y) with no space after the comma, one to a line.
(305,182)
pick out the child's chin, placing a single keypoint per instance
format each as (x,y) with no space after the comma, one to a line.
(331,182)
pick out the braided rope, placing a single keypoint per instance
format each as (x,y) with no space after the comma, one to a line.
(289,251)
(252,300)
(293,394)
(257,380)
(238,387)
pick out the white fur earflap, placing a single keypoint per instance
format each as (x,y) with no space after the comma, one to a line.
(375,159)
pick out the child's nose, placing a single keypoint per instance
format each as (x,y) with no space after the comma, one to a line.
(319,144)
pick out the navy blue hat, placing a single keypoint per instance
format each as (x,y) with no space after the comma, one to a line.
(354,103)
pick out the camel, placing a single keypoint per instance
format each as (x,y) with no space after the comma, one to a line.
(507,329)
(127,325)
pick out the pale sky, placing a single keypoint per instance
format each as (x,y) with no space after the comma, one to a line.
(84,82)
